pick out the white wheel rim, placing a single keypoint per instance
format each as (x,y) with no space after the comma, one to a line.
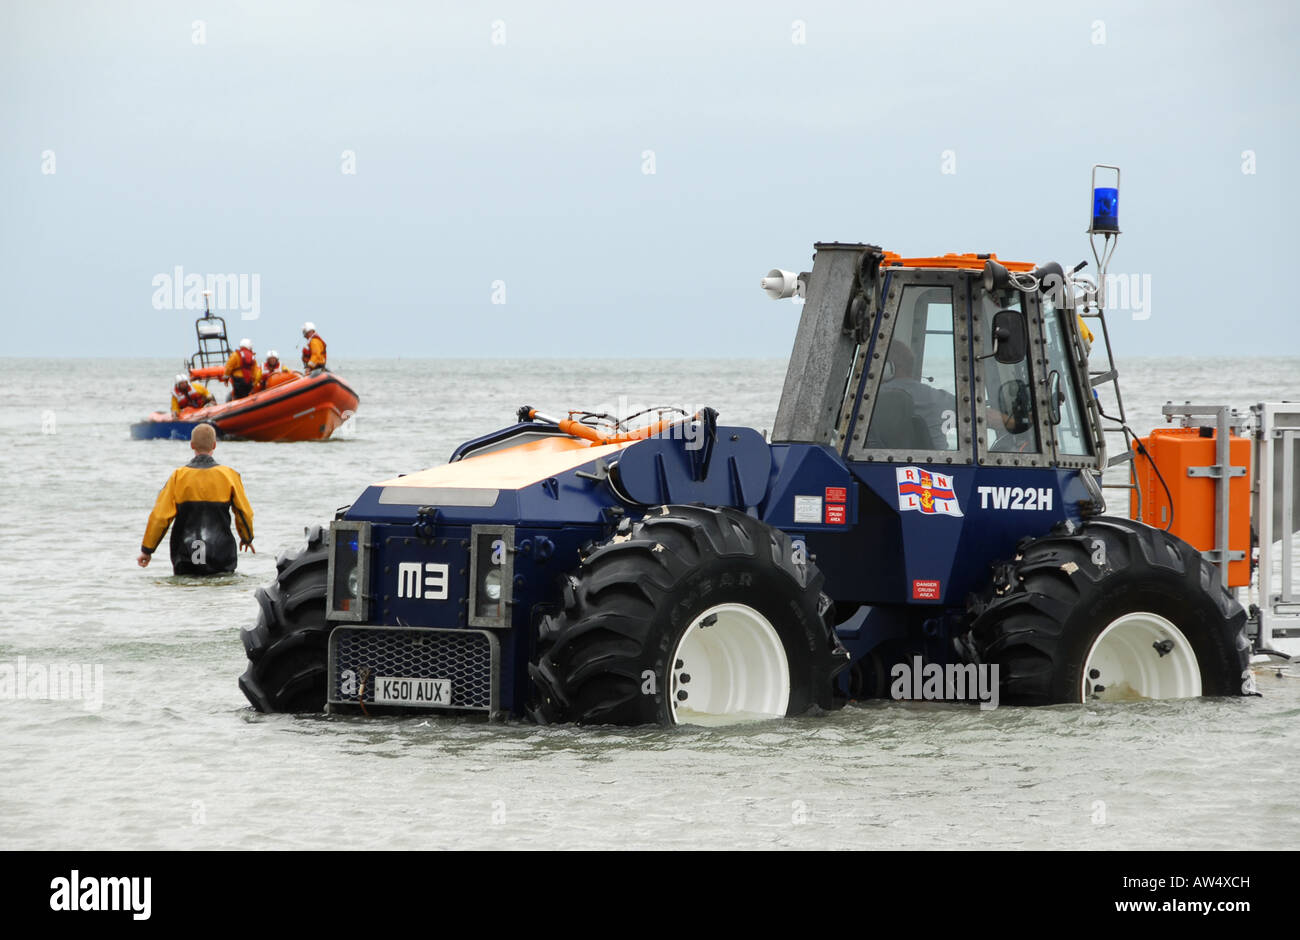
(1126,665)
(732,669)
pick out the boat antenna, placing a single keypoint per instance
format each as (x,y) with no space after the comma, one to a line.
(207,308)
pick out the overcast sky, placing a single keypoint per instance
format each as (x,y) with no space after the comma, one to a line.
(388,170)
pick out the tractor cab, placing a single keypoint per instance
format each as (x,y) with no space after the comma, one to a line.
(955,395)
(959,360)
(954,371)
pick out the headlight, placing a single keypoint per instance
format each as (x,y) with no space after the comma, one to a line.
(492,585)
(492,573)
(349,567)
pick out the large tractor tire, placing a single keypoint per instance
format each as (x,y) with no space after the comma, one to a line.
(1113,610)
(287,647)
(693,615)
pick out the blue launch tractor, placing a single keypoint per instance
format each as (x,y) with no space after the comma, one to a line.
(931,487)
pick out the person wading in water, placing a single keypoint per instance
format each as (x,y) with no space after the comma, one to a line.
(200,497)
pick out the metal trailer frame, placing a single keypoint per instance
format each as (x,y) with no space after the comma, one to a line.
(1274,431)
(1277,434)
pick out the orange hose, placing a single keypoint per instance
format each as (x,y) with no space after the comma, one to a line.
(584,431)
(597,436)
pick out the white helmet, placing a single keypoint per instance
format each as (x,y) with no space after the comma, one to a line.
(308,328)
(273,355)
(182,379)
(245,344)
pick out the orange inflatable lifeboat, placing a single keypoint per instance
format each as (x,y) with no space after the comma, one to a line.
(292,407)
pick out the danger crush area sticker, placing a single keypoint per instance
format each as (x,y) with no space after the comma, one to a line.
(925,590)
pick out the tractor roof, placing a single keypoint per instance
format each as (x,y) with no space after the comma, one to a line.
(970,262)
(510,468)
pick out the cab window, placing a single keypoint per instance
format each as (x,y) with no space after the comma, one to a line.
(1071,436)
(1010,417)
(916,406)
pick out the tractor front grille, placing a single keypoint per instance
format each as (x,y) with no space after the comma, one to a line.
(469,659)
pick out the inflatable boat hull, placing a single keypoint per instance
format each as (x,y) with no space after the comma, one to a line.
(306,409)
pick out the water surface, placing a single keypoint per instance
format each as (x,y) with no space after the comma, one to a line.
(174,758)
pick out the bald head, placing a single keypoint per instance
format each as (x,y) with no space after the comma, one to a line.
(904,362)
(203,439)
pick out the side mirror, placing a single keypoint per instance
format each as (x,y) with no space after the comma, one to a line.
(1055,397)
(1010,337)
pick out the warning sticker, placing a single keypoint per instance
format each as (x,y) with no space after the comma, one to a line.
(925,590)
(807,509)
(834,515)
(837,494)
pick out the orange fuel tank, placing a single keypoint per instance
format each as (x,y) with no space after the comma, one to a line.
(1174,451)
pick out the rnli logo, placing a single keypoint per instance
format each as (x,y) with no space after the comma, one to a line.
(926,492)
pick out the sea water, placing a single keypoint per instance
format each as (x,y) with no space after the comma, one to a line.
(164,752)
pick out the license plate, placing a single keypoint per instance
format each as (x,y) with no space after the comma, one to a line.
(427,692)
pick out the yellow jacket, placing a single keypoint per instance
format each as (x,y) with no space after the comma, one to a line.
(197,494)
(235,367)
(1085,332)
(196,391)
(313,354)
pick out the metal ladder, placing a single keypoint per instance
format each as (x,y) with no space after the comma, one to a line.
(1110,376)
